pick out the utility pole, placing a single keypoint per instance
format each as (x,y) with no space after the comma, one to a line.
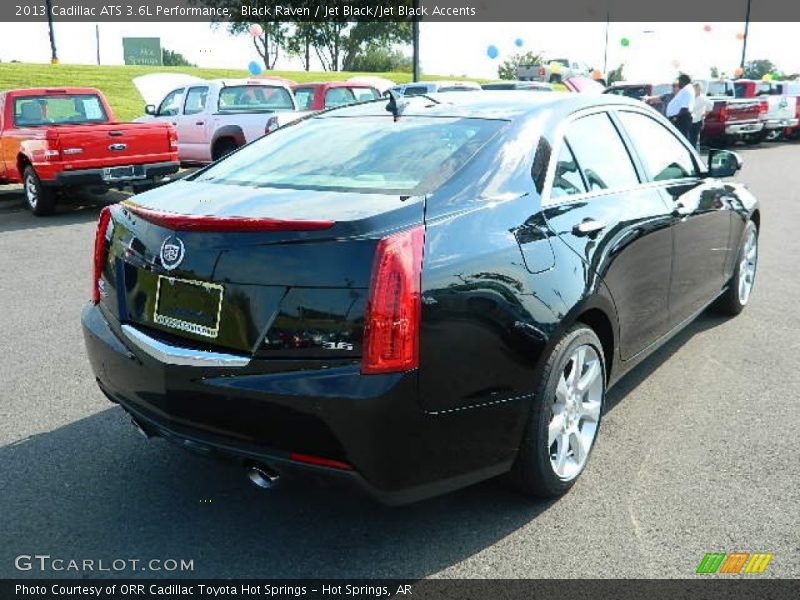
(97,41)
(54,54)
(415,41)
(746,33)
(605,51)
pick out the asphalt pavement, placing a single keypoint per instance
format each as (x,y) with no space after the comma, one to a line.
(698,453)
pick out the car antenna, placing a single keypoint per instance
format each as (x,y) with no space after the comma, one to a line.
(396,104)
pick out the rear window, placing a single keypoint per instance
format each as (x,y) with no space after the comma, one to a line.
(415,90)
(304,97)
(252,98)
(366,154)
(719,88)
(63,109)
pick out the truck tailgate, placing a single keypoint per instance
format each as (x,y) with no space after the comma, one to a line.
(94,146)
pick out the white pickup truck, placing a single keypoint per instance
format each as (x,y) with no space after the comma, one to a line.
(215,117)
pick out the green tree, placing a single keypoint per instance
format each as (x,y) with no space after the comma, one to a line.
(714,72)
(508,69)
(756,69)
(615,75)
(377,59)
(170,58)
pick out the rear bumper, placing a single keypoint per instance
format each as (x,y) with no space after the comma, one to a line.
(269,409)
(89,177)
(743,128)
(780,123)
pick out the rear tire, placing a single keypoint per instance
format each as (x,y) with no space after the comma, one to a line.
(740,288)
(224,147)
(40,199)
(564,416)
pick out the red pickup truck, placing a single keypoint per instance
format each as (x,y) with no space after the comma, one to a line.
(52,140)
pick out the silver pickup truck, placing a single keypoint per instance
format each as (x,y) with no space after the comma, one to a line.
(552,70)
(215,117)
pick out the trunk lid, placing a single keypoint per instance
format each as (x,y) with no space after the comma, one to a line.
(95,146)
(296,291)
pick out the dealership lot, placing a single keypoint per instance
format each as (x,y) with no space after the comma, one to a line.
(697,454)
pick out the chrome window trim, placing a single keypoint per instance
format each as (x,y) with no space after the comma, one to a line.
(559,140)
(176,355)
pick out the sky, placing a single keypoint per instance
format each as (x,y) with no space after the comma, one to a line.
(655,50)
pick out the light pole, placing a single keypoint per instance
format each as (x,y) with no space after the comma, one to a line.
(746,31)
(415,41)
(54,54)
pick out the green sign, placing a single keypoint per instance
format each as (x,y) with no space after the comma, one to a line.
(141,51)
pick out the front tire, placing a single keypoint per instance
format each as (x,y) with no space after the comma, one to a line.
(740,288)
(40,199)
(224,147)
(564,417)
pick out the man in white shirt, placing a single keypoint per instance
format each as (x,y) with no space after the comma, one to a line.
(679,109)
(702,106)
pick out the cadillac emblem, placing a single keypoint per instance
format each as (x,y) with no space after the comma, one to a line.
(171,252)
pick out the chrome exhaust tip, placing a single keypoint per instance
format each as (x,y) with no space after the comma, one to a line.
(262,477)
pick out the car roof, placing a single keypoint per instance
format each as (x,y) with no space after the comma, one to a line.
(333,84)
(41,91)
(485,104)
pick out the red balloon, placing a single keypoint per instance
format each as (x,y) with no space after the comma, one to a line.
(707,28)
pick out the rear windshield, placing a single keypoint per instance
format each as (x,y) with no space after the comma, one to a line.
(254,98)
(368,154)
(63,109)
(719,88)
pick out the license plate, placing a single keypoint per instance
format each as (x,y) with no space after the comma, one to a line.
(120,173)
(190,306)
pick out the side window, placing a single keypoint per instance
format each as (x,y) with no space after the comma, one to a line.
(567,180)
(195,100)
(171,105)
(304,97)
(664,157)
(600,153)
(338,97)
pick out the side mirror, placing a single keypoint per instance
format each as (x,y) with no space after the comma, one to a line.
(150,109)
(723,163)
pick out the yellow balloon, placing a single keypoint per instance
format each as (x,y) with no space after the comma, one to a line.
(767,77)
(555,67)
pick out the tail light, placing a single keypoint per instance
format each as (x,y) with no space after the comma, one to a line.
(541,72)
(723,113)
(272,125)
(173,139)
(797,109)
(100,251)
(319,461)
(762,107)
(391,331)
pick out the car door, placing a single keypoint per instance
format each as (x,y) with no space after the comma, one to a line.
(620,227)
(701,220)
(168,112)
(192,126)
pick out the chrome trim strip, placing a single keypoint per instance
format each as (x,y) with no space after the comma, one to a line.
(185,357)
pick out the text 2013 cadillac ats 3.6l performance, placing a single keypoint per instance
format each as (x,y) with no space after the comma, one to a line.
(416,295)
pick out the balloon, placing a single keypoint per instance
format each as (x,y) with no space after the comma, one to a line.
(492,51)
(255,30)
(707,28)
(625,42)
(676,63)
(738,72)
(767,77)
(519,43)
(740,36)
(596,74)
(555,67)
(254,68)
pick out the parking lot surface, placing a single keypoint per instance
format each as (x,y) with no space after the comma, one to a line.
(698,452)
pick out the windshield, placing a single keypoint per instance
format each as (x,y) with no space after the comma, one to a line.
(253,98)
(368,154)
(63,109)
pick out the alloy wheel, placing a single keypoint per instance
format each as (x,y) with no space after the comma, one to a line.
(747,267)
(575,412)
(31,191)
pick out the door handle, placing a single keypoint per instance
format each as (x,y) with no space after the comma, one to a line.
(199,123)
(588,227)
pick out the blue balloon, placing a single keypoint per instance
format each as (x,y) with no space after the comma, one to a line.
(254,68)
(519,43)
(492,51)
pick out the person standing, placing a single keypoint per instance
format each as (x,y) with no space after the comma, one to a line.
(679,109)
(702,106)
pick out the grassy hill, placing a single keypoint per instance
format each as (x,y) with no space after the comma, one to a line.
(115,81)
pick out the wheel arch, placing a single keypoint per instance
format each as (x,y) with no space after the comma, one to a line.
(228,132)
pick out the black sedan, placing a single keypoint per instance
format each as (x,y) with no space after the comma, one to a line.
(416,295)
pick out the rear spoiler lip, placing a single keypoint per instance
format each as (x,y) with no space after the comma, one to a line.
(211,223)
